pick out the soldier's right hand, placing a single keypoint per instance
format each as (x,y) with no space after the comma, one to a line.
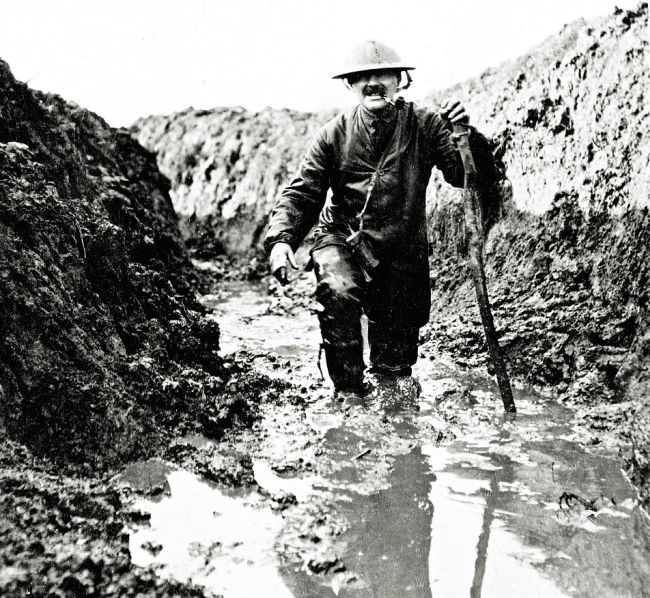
(281,253)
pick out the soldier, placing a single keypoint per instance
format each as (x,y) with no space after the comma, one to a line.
(370,253)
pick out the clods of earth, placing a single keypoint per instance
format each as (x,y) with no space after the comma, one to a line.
(423,487)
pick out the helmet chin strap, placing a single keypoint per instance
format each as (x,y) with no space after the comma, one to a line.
(408,82)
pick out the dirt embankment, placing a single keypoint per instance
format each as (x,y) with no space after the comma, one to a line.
(100,326)
(106,356)
(226,167)
(568,258)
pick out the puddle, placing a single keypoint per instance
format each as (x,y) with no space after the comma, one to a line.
(223,542)
(476,517)
(250,328)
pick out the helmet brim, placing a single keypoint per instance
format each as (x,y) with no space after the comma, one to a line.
(373,67)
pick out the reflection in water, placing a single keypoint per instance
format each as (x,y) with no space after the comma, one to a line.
(484,540)
(478,517)
(384,500)
(474,555)
(510,532)
(389,537)
(213,539)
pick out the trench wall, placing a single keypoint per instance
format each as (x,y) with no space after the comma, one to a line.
(104,349)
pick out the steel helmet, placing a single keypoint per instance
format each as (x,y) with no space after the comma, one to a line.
(371,55)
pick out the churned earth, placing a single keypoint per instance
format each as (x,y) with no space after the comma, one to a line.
(106,356)
(425,492)
(431,492)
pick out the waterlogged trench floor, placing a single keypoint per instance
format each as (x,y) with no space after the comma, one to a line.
(397,495)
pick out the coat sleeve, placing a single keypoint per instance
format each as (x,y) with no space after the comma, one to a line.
(300,203)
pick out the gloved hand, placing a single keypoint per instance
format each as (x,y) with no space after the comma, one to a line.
(281,253)
(453,111)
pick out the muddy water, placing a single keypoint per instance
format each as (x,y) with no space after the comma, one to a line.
(398,495)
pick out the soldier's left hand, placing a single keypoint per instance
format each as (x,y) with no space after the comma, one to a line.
(453,111)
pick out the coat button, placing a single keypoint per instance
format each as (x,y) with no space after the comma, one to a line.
(380,172)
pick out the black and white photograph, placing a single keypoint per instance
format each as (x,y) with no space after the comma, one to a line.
(324,298)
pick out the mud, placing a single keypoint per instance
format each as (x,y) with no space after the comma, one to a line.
(67,536)
(106,356)
(103,346)
(423,487)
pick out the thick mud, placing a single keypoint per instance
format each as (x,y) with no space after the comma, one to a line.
(401,493)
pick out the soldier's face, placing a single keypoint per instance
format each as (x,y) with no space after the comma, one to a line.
(373,87)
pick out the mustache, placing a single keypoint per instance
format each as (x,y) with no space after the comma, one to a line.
(371,90)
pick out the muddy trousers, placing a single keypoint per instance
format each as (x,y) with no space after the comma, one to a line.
(344,295)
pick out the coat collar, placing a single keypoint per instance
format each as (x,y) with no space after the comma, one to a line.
(374,119)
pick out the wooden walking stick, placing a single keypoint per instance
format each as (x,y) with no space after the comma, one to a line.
(474,225)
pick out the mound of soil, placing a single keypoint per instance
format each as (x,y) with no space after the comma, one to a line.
(569,258)
(226,167)
(104,349)
(106,355)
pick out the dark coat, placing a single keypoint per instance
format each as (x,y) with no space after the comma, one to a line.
(344,157)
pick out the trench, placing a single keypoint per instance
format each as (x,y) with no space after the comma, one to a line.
(396,495)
